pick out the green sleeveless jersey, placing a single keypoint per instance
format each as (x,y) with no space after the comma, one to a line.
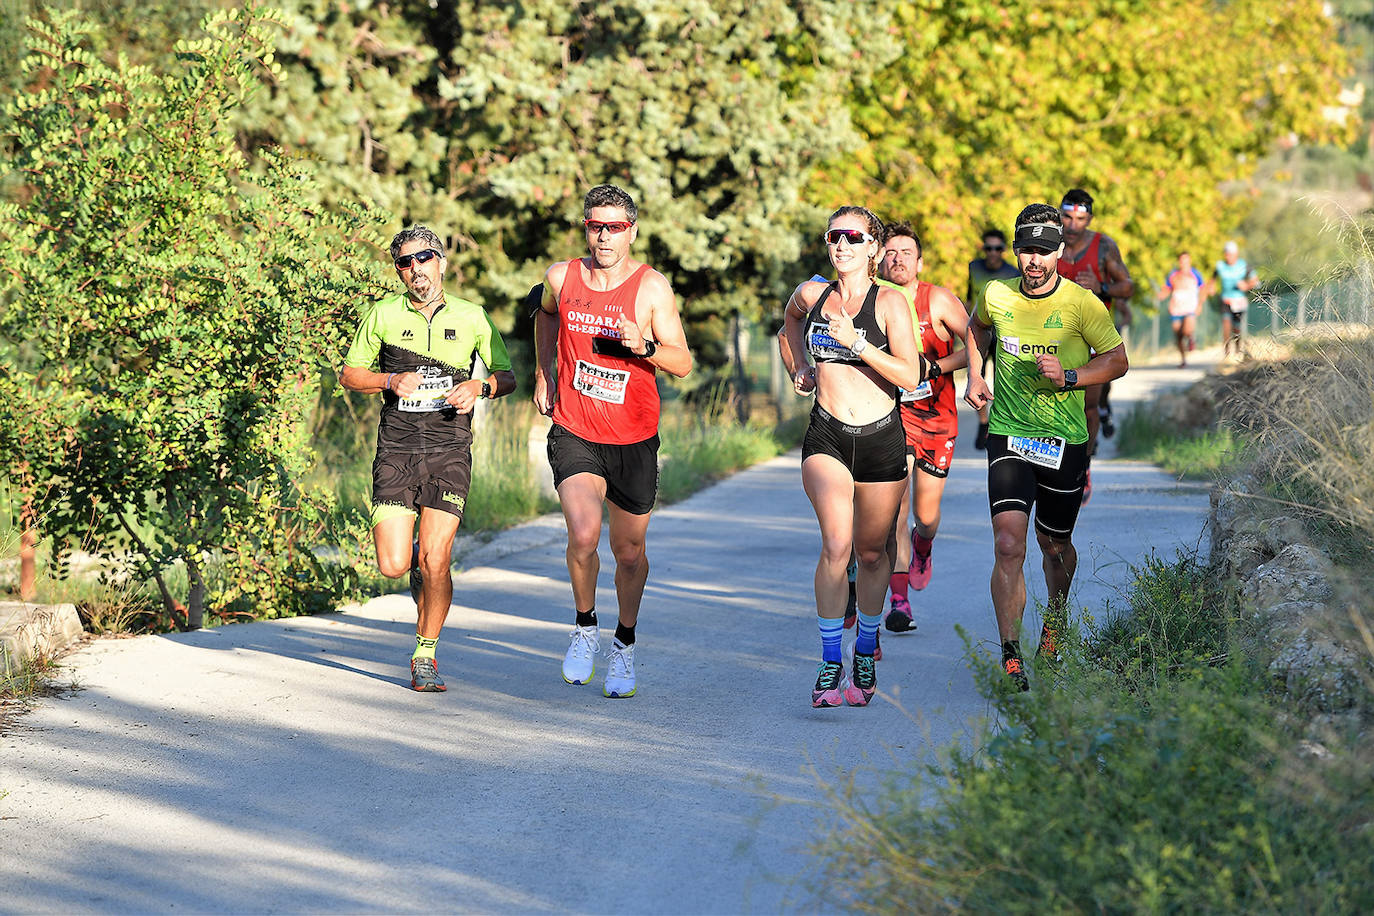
(1064,322)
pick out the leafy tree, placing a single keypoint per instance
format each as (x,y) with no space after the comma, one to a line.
(1151,105)
(490,120)
(168,311)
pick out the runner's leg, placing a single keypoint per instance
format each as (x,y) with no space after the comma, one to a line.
(1009,530)
(581,497)
(627,534)
(437,529)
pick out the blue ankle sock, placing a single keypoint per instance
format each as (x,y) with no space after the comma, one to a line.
(867,640)
(832,635)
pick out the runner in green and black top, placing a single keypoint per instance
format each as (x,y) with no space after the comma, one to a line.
(1042,328)
(426,345)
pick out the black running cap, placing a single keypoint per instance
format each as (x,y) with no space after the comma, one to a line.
(1038,235)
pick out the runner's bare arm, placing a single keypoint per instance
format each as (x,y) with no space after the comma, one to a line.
(903,364)
(1104,367)
(658,314)
(369,382)
(977,340)
(951,321)
(546,340)
(791,336)
(1119,284)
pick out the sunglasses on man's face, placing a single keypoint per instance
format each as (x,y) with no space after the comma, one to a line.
(991,248)
(594,227)
(418,257)
(852,236)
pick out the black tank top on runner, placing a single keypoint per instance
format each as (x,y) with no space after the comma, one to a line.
(826,349)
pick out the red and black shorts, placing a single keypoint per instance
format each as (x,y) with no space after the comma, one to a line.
(931,445)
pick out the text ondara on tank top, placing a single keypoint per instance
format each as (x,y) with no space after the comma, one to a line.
(604,399)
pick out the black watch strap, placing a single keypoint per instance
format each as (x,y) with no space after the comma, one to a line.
(486,389)
(1070,380)
(935,371)
(650,348)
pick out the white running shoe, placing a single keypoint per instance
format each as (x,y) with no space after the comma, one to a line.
(620,671)
(580,663)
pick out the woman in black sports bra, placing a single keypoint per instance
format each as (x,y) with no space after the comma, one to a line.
(852,343)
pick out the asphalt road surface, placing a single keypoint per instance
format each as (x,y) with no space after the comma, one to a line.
(287,766)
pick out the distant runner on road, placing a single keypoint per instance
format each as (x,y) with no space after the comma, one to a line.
(425,344)
(852,343)
(1184,289)
(930,416)
(1235,277)
(606,323)
(1043,328)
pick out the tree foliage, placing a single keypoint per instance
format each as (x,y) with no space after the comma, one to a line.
(167,311)
(1150,105)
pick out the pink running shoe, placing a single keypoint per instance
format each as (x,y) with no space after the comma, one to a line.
(864,681)
(899,617)
(827,690)
(918,573)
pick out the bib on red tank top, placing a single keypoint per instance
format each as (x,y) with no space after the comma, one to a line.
(932,401)
(606,399)
(1089,263)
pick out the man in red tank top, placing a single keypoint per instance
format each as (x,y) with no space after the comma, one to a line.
(930,416)
(1094,262)
(605,323)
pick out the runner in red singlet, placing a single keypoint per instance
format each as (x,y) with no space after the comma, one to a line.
(1093,261)
(606,323)
(930,416)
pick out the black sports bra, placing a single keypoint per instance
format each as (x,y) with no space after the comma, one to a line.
(825,349)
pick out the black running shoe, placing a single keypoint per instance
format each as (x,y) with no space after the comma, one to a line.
(851,610)
(1108,427)
(1016,670)
(980,441)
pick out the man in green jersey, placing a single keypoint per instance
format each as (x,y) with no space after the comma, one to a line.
(425,345)
(1043,328)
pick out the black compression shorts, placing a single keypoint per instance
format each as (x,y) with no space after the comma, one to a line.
(630,471)
(1016,483)
(873,453)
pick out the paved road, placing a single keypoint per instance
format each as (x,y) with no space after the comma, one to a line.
(286,766)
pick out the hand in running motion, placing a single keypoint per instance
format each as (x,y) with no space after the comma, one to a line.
(545,393)
(406,383)
(464,395)
(977,394)
(631,334)
(804,382)
(1050,368)
(842,329)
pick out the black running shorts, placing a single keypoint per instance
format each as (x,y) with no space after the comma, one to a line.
(630,471)
(403,483)
(1015,484)
(873,453)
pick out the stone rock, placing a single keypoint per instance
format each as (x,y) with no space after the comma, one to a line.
(1320,674)
(1278,623)
(28,630)
(1297,573)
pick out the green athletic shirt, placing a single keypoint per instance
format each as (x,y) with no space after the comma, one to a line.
(1065,322)
(444,350)
(979,277)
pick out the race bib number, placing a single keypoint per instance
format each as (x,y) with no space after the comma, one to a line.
(1012,345)
(1236,304)
(1045,451)
(429,396)
(598,382)
(919,393)
(822,346)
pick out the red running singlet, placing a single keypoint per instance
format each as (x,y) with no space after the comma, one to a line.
(935,409)
(606,399)
(1089,262)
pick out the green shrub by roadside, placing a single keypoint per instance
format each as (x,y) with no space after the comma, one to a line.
(1173,784)
(701,447)
(1192,454)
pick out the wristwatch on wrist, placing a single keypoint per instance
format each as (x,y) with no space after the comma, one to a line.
(858,346)
(935,371)
(650,348)
(486,389)
(1070,380)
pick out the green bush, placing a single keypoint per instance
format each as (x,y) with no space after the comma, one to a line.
(1168,784)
